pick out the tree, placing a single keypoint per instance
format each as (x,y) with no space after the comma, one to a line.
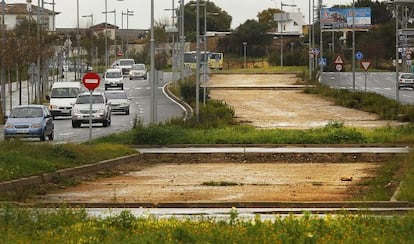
(266,17)
(220,21)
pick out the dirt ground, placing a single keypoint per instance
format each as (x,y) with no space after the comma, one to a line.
(265,181)
(285,108)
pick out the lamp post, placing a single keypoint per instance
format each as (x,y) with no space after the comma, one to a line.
(112,12)
(3,43)
(91,52)
(198,59)
(128,13)
(245,49)
(281,30)
(53,10)
(152,60)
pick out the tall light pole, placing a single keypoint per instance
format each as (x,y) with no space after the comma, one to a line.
(129,13)
(198,59)
(182,39)
(152,71)
(353,45)
(106,36)
(91,51)
(112,12)
(244,52)
(3,43)
(281,30)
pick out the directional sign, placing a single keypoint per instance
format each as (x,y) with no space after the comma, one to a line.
(338,60)
(365,65)
(91,80)
(359,55)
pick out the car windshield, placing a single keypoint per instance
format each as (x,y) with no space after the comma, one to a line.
(126,62)
(113,75)
(85,99)
(65,92)
(26,112)
(116,95)
(138,66)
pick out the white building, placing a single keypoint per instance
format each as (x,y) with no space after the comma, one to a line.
(289,24)
(16,12)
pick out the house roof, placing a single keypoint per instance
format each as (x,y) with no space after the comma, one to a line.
(23,8)
(101,26)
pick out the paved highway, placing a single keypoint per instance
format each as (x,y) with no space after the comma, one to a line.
(139,93)
(383,83)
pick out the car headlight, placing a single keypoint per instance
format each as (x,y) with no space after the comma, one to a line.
(51,106)
(101,111)
(9,126)
(75,111)
(124,104)
(36,125)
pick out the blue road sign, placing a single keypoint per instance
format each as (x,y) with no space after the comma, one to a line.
(359,55)
(322,61)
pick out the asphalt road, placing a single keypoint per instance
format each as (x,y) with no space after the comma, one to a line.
(139,93)
(383,83)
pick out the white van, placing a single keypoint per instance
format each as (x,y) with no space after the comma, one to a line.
(113,78)
(62,96)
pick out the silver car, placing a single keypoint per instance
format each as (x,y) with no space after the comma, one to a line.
(118,100)
(101,109)
(138,71)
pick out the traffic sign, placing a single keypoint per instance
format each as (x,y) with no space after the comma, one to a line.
(119,53)
(359,55)
(316,51)
(338,60)
(365,65)
(91,80)
(322,61)
(338,67)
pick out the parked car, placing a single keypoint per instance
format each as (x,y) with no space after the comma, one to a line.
(29,121)
(118,100)
(138,71)
(101,109)
(62,96)
(113,78)
(406,80)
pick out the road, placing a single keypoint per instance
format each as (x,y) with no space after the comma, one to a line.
(139,93)
(383,83)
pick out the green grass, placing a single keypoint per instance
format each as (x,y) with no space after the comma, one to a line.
(75,226)
(19,159)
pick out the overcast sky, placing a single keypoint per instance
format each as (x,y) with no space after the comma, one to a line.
(240,10)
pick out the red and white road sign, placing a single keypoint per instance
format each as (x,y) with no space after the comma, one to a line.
(339,60)
(365,65)
(119,53)
(91,80)
(338,67)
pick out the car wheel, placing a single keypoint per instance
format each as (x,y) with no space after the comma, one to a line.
(75,124)
(43,136)
(51,136)
(105,123)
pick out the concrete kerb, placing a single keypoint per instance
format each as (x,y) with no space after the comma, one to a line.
(32,181)
(187,108)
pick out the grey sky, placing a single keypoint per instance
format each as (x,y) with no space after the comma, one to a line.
(240,10)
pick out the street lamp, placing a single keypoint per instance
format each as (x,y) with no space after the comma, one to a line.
(3,43)
(245,49)
(110,12)
(127,13)
(152,63)
(53,10)
(90,55)
(281,29)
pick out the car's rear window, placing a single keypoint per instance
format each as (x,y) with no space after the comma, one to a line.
(85,99)
(407,76)
(126,62)
(116,95)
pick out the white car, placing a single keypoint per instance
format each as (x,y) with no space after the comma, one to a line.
(113,78)
(62,96)
(406,80)
(118,100)
(138,71)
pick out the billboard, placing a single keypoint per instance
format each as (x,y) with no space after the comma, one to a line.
(339,18)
